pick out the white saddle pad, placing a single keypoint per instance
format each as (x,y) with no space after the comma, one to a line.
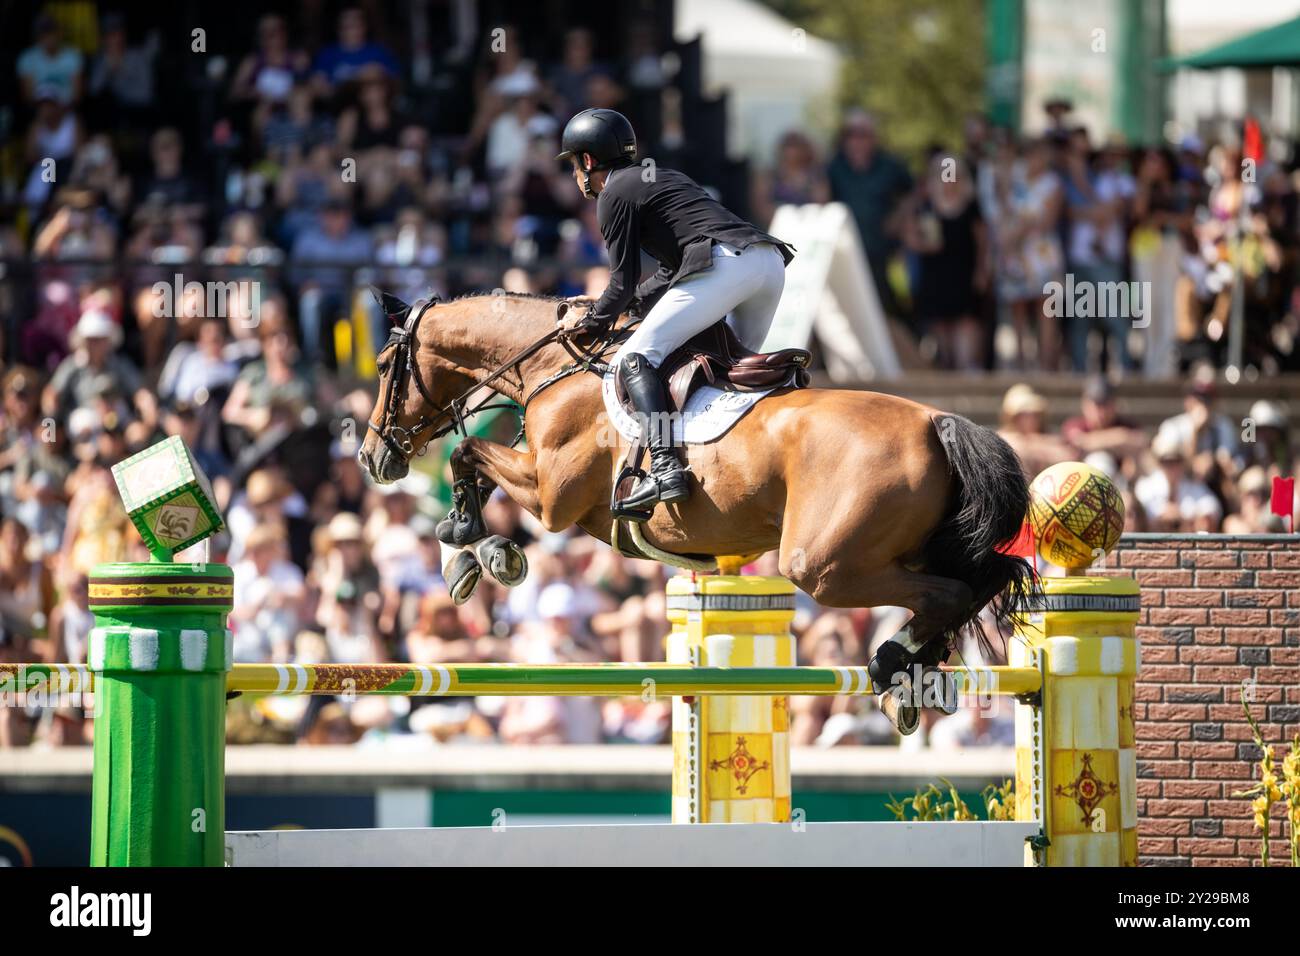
(709,413)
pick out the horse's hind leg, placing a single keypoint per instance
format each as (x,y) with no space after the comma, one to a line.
(937,604)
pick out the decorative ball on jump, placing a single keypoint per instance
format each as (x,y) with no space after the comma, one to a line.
(1076,514)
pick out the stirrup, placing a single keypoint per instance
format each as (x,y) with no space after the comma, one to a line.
(622,509)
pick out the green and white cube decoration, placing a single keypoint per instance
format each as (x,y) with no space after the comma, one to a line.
(168,497)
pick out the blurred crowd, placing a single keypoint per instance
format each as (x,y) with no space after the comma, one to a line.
(985,230)
(318,177)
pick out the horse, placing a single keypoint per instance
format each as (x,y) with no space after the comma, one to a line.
(870,499)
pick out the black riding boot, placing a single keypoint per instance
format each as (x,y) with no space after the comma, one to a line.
(667,480)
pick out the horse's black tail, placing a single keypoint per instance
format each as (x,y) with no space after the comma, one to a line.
(989,506)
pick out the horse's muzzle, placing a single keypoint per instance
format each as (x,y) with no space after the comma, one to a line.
(383,466)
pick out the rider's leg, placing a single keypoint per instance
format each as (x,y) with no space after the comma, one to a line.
(667,480)
(688,308)
(701,300)
(752,318)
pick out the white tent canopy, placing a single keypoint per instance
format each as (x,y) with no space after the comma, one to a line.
(779,78)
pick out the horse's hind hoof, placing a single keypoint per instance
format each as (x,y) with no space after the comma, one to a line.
(503,559)
(903,715)
(462,574)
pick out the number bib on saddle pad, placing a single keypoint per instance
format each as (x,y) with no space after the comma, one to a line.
(709,413)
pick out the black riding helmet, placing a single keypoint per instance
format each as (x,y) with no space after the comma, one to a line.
(605,135)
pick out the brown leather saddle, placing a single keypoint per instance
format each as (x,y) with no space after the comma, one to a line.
(716,357)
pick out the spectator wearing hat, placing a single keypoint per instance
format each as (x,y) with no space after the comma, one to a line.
(269,595)
(1024,417)
(268,497)
(94,369)
(1100,427)
(1173,499)
(350,593)
(1253,514)
(1271,449)
(50,64)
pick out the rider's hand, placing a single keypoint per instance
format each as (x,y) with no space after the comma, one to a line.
(577,318)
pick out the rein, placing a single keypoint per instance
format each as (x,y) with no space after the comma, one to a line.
(403,339)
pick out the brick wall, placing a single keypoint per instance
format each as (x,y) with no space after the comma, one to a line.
(1217,611)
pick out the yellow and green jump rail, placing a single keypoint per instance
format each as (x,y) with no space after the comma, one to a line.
(529,680)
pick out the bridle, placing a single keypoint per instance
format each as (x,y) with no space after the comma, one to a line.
(404,369)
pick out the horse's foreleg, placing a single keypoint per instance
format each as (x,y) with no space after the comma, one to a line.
(514,472)
(479,467)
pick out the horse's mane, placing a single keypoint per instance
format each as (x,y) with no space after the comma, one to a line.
(542,296)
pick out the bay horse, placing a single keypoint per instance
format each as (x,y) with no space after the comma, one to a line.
(870,499)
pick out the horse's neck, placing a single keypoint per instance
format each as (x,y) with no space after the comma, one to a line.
(480,334)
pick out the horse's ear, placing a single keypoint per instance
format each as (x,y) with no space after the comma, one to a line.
(393,307)
(561,310)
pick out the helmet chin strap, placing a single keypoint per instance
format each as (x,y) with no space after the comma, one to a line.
(586,180)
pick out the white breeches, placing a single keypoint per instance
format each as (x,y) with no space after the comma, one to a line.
(746,284)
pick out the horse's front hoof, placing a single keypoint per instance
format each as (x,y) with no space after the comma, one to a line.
(458,530)
(503,559)
(462,574)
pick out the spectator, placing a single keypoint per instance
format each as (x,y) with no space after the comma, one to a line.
(268,76)
(121,78)
(95,369)
(1253,514)
(872,183)
(269,594)
(1099,427)
(1099,196)
(340,62)
(1024,414)
(439,635)
(1271,449)
(195,372)
(1029,251)
(1172,499)
(944,229)
(168,184)
(1206,437)
(52,141)
(796,179)
(50,64)
(568,80)
(321,262)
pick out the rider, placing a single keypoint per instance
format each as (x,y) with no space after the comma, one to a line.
(711,262)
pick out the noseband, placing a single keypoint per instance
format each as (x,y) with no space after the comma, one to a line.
(404,369)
